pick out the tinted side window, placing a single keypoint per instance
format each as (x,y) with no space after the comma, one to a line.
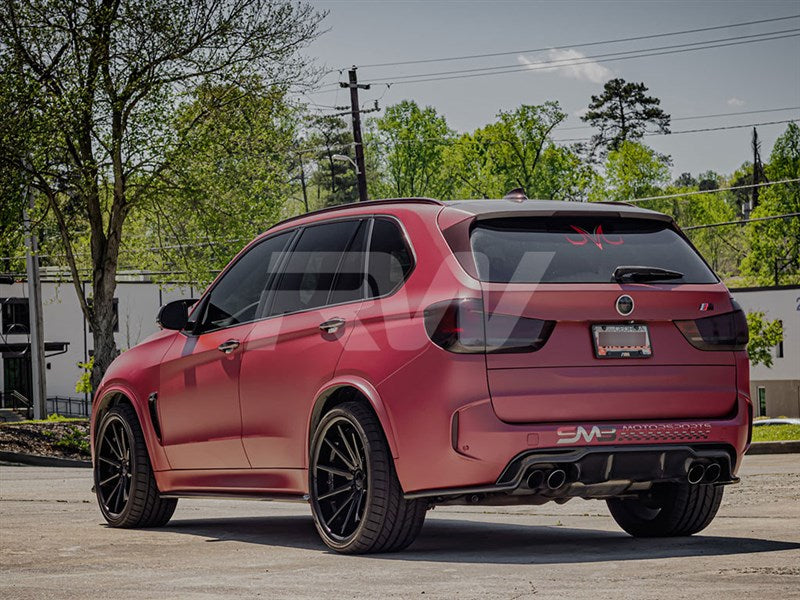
(308,276)
(239,294)
(390,260)
(348,286)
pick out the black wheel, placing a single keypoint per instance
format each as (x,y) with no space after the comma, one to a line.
(123,477)
(356,498)
(673,509)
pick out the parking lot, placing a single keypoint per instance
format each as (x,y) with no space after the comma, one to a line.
(53,545)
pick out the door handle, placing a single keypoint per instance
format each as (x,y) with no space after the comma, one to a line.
(229,346)
(332,325)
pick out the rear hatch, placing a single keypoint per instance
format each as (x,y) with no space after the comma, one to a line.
(627,309)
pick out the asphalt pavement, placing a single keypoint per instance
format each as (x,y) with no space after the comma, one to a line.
(54,544)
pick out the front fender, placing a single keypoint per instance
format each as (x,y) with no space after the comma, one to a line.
(372,396)
(106,393)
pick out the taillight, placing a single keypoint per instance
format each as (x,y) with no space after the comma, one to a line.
(461,326)
(720,332)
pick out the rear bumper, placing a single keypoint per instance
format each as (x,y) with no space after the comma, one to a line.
(611,456)
(596,472)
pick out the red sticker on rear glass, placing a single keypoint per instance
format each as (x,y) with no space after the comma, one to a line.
(598,238)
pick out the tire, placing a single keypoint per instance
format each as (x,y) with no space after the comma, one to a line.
(122,464)
(356,498)
(673,509)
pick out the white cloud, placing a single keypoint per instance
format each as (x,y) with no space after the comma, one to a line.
(735,102)
(572,64)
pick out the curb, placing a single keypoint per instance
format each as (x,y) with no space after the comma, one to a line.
(42,461)
(785,447)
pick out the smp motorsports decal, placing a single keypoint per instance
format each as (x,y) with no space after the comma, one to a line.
(598,238)
(633,433)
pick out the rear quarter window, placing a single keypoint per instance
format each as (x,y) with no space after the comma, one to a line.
(584,250)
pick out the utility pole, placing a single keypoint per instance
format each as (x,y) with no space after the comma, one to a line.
(758,174)
(35,309)
(303,180)
(359,145)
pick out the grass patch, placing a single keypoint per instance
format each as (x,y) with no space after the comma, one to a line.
(776,433)
(50,419)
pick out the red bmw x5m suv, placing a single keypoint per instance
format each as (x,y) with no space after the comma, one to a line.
(381,358)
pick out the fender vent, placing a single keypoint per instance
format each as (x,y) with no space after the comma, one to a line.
(152,405)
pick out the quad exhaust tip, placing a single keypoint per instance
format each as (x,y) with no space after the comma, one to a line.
(535,479)
(696,473)
(713,471)
(556,479)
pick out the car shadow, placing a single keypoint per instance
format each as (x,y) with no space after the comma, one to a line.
(461,541)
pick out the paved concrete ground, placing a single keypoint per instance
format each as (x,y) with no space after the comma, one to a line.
(53,544)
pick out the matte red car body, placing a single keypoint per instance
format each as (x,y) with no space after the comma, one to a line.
(240,423)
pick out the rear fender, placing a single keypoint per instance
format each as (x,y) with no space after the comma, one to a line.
(369,392)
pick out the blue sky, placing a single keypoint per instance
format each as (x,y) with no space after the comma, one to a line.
(746,77)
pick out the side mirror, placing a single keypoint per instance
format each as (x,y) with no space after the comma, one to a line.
(175,314)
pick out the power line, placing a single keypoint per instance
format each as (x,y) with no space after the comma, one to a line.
(695,117)
(580,45)
(600,58)
(701,130)
(742,221)
(715,191)
(548,63)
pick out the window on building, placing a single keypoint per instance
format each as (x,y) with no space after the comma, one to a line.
(779,347)
(16,317)
(762,401)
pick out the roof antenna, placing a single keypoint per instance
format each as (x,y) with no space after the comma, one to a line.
(516,195)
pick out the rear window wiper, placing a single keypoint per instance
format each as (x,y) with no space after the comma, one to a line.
(627,274)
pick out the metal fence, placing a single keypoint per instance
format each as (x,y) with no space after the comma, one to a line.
(64,406)
(69,407)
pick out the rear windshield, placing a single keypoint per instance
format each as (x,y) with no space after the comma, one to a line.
(583,250)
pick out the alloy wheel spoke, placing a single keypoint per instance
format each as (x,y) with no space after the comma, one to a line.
(342,507)
(335,471)
(111,478)
(358,505)
(358,454)
(110,443)
(336,451)
(347,445)
(111,495)
(109,461)
(347,517)
(336,492)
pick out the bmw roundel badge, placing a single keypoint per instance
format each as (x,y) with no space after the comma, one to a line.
(625,305)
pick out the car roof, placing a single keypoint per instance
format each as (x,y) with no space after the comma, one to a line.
(485,209)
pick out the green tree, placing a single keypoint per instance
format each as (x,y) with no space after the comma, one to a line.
(94,86)
(517,151)
(411,144)
(632,171)
(332,135)
(225,183)
(622,113)
(774,246)
(764,336)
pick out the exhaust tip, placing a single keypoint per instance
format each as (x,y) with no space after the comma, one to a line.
(696,473)
(556,479)
(535,479)
(713,471)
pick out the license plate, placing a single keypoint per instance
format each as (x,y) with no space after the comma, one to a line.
(621,341)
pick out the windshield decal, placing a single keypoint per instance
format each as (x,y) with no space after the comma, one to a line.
(598,238)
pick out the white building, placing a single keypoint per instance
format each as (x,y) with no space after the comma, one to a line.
(775,391)
(68,339)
